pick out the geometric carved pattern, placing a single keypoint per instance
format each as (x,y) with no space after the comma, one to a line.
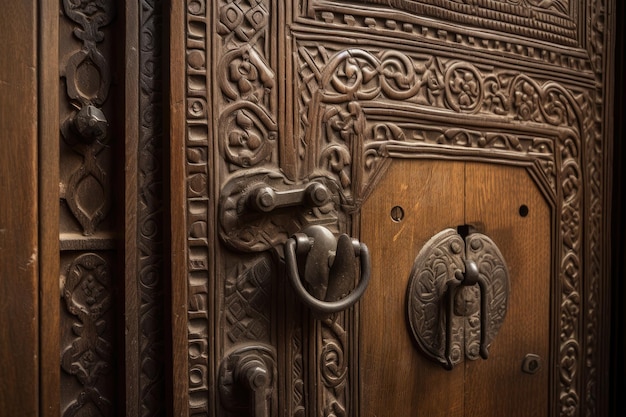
(197,166)
(85,171)
(247,297)
(356,86)
(349,138)
(543,20)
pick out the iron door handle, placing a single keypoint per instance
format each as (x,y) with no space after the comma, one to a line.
(329,269)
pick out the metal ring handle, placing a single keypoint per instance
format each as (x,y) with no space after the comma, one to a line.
(327,307)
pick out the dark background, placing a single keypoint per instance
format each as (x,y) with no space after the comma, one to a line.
(618,342)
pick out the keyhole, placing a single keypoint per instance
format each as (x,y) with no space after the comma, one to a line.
(397,214)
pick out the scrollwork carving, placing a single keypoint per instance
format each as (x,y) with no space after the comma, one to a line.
(333,369)
(248,127)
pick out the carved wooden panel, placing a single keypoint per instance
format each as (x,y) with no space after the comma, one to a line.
(110,226)
(290,92)
(88,139)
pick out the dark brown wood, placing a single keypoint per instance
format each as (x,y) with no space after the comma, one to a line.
(359,89)
(178,385)
(19,243)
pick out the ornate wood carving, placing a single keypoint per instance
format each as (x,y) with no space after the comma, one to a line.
(89,357)
(197,167)
(435,92)
(87,82)
(345,91)
(150,211)
(88,123)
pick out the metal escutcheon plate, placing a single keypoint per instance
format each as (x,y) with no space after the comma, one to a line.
(427,299)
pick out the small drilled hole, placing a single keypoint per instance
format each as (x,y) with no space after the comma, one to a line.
(523,210)
(397,214)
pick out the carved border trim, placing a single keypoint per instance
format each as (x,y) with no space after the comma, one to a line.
(520,20)
(416,28)
(197,206)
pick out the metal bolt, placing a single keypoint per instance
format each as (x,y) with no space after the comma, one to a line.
(531,364)
(91,124)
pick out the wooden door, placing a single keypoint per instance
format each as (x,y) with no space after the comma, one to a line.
(413,117)
(164,159)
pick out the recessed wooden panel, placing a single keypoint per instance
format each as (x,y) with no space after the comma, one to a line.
(509,208)
(415,200)
(396,378)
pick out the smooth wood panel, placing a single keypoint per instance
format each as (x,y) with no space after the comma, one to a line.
(497,386)
(19,344)
(397,379)
(49,269)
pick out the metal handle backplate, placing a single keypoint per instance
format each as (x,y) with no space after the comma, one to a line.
(457,296)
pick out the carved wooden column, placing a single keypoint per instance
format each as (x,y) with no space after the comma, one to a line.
(102,247)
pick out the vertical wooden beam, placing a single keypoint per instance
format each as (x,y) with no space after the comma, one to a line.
(19,259)
(49,270)
(178,222)
(130,174)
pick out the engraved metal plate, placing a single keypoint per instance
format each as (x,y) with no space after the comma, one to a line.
(437,270)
